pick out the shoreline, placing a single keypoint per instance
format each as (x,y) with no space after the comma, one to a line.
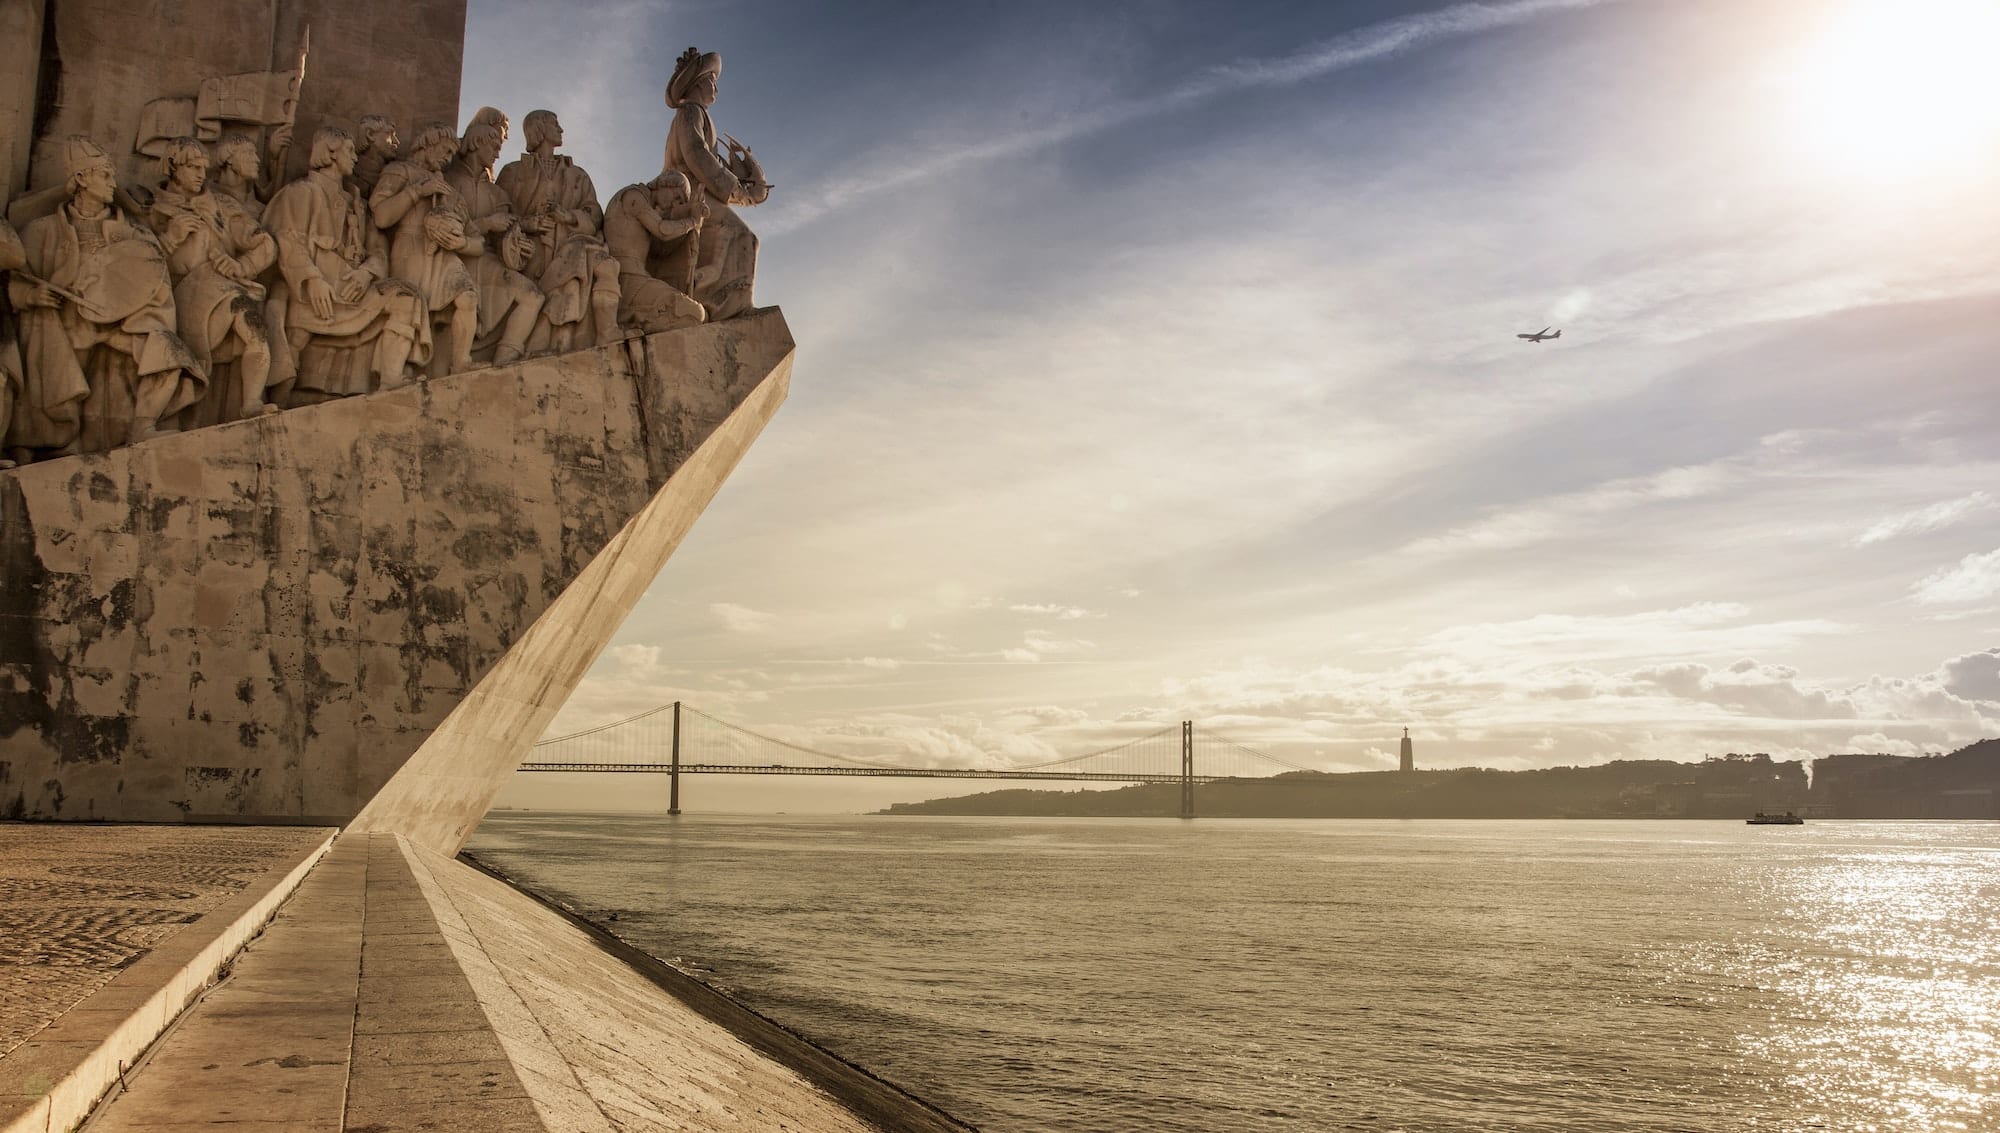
(869,1096)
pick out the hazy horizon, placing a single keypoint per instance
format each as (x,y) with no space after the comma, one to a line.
(1158,361)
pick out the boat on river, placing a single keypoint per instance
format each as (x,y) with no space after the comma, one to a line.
(1785,819)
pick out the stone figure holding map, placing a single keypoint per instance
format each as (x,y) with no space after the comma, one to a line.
(103,362)
(726,257)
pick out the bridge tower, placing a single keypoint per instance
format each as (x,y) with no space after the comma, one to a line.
(674,773)
(1187,768)
(1409,761)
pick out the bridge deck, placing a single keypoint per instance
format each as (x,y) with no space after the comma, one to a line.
(888,772)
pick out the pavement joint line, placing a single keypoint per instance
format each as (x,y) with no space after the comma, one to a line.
(223,976)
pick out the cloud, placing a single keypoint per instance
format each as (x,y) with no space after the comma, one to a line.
(1975,676)
(634,656)
(1370,44)
(1976,576)
(1923,520)
(742,619)
(1060,613)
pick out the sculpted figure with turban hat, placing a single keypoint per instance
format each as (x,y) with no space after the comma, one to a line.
(725,175)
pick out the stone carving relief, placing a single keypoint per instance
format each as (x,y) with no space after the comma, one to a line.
(509,302)
(726,174)
(215,292)
(430,233)
(379,145)
(349,325)
(215,252)
(557,205)
(654,230)
(103,364)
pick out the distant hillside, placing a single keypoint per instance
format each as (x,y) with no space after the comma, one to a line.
(1960,785)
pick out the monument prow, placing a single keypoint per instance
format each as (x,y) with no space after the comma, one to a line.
(368,607)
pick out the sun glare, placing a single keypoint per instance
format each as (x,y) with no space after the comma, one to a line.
(1901,90)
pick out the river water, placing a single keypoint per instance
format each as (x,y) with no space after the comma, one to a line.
(1237,975)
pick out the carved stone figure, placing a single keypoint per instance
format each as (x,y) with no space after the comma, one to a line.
(556,205)
(379,146)
(653,230)
(242,176)
(13,258)
(102,364)
(489,116)
(430,230)
(726,259)
(215,253)
(351,327)
(509,302)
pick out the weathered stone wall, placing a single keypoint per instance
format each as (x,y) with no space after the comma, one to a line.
(266,619)
(109,58)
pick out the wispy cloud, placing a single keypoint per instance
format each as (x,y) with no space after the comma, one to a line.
(742,619)
(1058,612)
(1370,44)
(1923,520)
(1975,577)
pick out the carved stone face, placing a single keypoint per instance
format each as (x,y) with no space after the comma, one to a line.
(190,173)
(95,182)
(670,195)
(705,90)
(383,140)
(343,157)
(435,156)
(486,150)
(242,161)
(552,132)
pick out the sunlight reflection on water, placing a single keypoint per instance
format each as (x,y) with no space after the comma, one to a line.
(1298,976)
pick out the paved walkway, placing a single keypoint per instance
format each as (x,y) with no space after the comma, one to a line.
(81,902)
(401,990)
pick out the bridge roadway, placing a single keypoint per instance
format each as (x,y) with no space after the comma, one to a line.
(889,772)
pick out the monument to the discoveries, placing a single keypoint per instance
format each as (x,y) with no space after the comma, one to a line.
(336,445)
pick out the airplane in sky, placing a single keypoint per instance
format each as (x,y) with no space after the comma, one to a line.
(1541,335)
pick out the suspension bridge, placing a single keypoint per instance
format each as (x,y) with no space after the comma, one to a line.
(679,739)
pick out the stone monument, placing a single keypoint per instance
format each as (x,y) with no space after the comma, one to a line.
(331,467)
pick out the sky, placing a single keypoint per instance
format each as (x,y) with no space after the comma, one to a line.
(1157,361)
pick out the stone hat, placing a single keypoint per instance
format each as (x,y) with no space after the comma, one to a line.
(689,70)
(80,153)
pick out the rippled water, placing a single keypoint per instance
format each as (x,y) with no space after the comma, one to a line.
(1115,975)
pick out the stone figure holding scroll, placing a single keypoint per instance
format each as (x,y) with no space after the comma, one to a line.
(509,301)
(653,230)
(215,252)
(102,362)
(556,205)
(351,327)
(726,257)
(429,234)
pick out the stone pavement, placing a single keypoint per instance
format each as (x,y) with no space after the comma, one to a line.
(403,990)
(81,903)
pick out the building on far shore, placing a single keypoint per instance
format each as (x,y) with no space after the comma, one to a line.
(1409,760)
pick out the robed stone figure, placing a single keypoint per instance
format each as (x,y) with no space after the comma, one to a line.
(352,327)
(102,362)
